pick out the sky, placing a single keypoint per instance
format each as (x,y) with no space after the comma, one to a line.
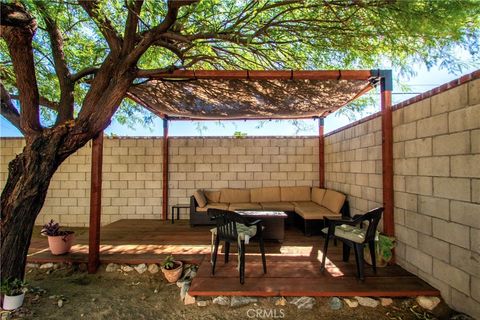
(423,81)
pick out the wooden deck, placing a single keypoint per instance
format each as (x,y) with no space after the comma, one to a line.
(293,266)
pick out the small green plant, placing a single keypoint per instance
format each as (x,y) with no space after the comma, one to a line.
(239,134)
(53,229)
(169,263)
(384,247)
(13,287)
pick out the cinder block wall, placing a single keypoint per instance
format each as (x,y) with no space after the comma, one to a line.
(436,185)
(132,173)
(353,164)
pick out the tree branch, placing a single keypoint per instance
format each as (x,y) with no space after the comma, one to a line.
(67,86)
(83,73)
(104,24)
(17,27)
(42,101)
(131,26)
(8,110)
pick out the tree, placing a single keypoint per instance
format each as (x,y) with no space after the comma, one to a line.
(73,62)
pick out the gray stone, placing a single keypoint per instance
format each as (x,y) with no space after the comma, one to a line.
(112,267)
(153,268)
(367,302)
(203,303)
(141,268)
(32,265)
(241,301)
(428,303)
(184,290)
(47,265)
(126,268)
(461,316)
(60,303)
(303,302)
(351,303)
(222,300)
(181,283)
(385,302)
(335,303)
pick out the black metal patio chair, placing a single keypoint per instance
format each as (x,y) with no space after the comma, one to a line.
(232,227)
(354,233)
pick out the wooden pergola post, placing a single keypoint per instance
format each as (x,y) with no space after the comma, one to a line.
(95,204)
(386,85)
(165,170)
(321,152)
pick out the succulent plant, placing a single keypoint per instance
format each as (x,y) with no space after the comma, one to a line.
(13,287)
(169,263)
(53,229)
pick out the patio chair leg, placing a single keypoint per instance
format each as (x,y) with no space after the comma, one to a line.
(359,260)
(214,257)
(242,261)
(325,248)
(371,247)
(346,252)
(262,250)
(227,250)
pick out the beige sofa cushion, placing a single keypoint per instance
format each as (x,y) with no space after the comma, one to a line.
(295,194)
(234,195)
(245,205)
(270,194)
(212,196)
(200,197)
(279,206)
(221,206)
(315,213)
(317,195)
(333,200)
(304,204)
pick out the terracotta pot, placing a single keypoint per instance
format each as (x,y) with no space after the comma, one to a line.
(13,302)
(174,274)
(60,244)
(380,262)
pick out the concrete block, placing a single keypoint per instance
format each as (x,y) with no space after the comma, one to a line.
(434,247)
(452,188)
(405,166)
(452,144)
(474,93)
(407,236)
(203,167)
(404,132)
(453,276)
(399,183)
(475,288)
(416,111)
(451,232)
(465,213)
(435,207)
(466,260)
(464,119)
(418,222)
(405,201)
(476,190)
(434,166)
(419,185)
(419,259)
(465,304)
(432,126)
(418,148)
(398,150)
(449,100)
(466,166)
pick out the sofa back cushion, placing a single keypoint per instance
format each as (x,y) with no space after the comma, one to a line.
(295,194)
(234,195)
(270,194)
(333,200)
(317,195)
(212,196)
(200,198)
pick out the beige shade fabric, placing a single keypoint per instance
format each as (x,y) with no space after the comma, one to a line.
(244,99)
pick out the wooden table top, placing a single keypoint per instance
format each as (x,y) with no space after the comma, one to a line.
(263,213)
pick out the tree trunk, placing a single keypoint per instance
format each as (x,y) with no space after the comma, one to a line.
(23,197)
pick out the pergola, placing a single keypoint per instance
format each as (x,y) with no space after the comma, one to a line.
(251,95)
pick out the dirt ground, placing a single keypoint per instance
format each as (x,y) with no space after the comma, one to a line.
(133,296)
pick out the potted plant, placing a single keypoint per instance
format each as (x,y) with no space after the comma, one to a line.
(59,241)
(172,269)
(383,250)
(14,293)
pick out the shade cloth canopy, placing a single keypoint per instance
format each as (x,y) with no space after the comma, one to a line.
(226,95)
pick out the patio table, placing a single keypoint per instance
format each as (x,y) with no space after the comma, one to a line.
(273,222)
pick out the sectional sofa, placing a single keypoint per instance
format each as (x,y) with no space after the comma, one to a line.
(306,206)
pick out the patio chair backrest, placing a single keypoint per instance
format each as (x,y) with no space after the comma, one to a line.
(226,222)
(373,218)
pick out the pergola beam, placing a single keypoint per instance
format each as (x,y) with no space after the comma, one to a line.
(165,170)
(321,152)
(95,204)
